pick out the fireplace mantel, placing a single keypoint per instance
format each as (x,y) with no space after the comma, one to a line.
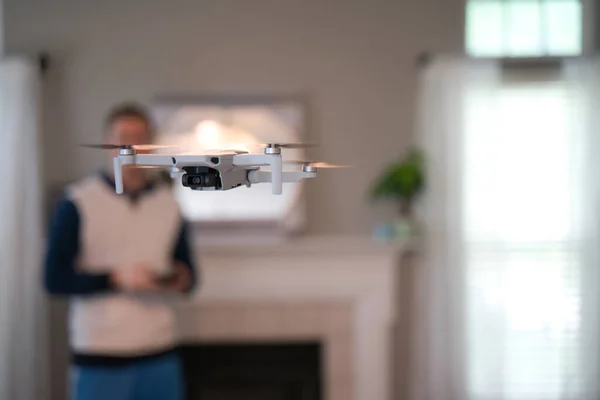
(308,245)
(342,291)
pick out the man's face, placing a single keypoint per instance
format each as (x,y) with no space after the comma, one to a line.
(129,131)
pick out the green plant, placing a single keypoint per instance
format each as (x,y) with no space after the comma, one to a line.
(402,181)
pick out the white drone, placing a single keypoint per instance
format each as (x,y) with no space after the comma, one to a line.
(217,169)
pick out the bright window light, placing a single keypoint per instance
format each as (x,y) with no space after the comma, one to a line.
(523,28)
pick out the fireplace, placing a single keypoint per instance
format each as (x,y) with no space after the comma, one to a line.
(257,371)
(341,293)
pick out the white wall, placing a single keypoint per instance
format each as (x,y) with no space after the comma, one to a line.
(352,59)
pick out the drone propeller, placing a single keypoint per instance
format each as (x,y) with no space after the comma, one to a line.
(315,164)
(212,152)
(141,147)
(289,145)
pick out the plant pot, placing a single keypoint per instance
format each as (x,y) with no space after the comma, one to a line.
(404,228)
(400,228)
(405,225)
(384,232)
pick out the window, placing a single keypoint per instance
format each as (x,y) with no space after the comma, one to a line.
(516,225)
(521,202)
(521,198)
(524,28)
(512,219)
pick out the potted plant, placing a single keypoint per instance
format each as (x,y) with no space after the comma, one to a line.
(402,182)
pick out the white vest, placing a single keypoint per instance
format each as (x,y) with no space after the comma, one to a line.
(116,233)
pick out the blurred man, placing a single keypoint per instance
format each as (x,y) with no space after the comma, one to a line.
(110,254)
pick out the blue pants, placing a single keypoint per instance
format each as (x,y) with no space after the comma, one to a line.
(154,379)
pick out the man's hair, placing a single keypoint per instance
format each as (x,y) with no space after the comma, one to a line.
(129,110)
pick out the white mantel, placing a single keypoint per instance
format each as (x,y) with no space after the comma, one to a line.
(310,244)
(341,291)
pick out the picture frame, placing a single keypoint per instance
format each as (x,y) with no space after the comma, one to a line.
(198,122)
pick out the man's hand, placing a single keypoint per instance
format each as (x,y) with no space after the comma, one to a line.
(181,279)
(136,278)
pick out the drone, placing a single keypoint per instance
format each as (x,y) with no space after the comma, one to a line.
(217,170)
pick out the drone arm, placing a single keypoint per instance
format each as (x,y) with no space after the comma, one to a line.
(140,159)
(258,176)
(156,160)
(272,160)
(245,160)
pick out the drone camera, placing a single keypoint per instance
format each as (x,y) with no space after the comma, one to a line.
(201,178)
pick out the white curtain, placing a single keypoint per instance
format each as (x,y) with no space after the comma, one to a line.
(23,327)
(508,303)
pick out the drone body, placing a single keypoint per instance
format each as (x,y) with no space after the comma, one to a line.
(218,170)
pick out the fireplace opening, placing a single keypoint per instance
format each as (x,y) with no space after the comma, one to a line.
(253,371)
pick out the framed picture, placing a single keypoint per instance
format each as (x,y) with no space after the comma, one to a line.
(202,123)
